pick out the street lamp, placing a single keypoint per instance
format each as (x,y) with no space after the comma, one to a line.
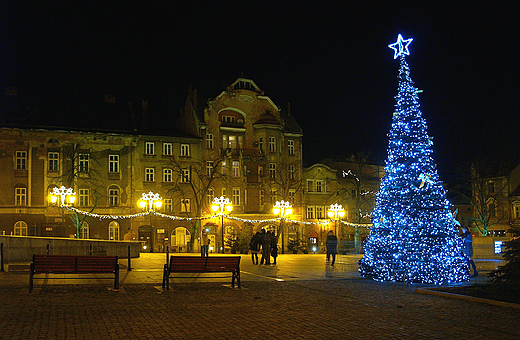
(150,202)
(335,211)
(63,195)
(282,209)
(220,205)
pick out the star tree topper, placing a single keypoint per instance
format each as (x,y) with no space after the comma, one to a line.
(401,46)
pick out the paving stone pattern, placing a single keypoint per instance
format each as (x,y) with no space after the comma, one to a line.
(306,309)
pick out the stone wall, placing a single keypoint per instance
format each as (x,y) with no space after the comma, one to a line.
(20,249)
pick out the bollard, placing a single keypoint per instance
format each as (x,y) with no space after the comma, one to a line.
(1,257)
(129,260)
(167,256)
(90,252)
(48,248)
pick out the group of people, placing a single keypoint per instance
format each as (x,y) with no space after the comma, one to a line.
(267,243)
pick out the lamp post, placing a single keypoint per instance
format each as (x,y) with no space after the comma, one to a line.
(220,205)
(335,211)
(282,209)
(61,196)
(149,202)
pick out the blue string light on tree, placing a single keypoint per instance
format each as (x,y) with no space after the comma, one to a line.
(414,234)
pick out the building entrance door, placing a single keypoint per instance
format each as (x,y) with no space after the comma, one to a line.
(145,234)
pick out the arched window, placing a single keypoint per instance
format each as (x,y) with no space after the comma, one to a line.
(113,231)
(85,231)
(20,228)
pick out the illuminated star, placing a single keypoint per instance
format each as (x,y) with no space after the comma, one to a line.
(401,46)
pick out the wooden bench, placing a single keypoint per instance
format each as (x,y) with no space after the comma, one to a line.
(195,264)
(70,264)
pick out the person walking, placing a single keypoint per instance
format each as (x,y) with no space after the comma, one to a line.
(204,243)
(266,247)
(332,247)
(274,247)
(468,248)
(254,246)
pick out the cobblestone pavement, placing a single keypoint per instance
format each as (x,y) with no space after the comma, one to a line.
(335,306)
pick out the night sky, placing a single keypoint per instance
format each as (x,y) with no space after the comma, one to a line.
(330,61)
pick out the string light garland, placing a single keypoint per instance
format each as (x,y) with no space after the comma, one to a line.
(414,234)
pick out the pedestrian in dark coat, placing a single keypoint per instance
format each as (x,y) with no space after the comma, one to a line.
(266,247)
(468,249)
(254,246)
(332,247)
(274,247)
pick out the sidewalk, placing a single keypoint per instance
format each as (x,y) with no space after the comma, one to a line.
(300,298)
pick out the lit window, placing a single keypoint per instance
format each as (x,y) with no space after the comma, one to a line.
(273,196)
(85,230)
(149,174)
(210,196)
(21,196)
(236,169)
(272,170)
(167,175)
(185,205)
(20,228)
(225,141)
(319,212)
(272,144)
(261,144)
(113,197)
(113,163)
(149,148)
(209,141)
(319,186)
(262,197)
(292,196)
(167,149)
(232,142)
(185,150)
(113,231)
(224,168)
(290,147)
(21,160)
(168,205)
(84,198)
(185,175)
(209,168)
(53,161)
(291,171)
(310,212)
(84,162)
(236,196)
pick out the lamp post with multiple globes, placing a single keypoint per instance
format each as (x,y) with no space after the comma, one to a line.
(150,202)
(282,209)
(336,212)
(63,196)
(220,205)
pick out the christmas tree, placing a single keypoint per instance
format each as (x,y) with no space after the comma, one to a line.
(414,233)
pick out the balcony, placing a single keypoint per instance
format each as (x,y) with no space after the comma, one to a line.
(241,152)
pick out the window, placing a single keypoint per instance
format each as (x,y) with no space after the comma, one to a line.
(310,212)
(260,171)
(84,162)
(292,196)
(290,147)
(319,212)
(209,141)
(20,228)
(149,174)
(83,198)
(262,197)
(272,170)
(240,142)
(85,230)
(272,144)
(168,205)
(273,196)
(113,231)
(291,171)
(185,205)
(232,142)
(225,141)
(224,166)
(53,161)
(185,150)
(113,163)
(236,169)
(491,187)
(319,186)
(167,175)
(492,209)
(310,185)
(210,195)
(167,149)
(236,196)
(516,211)
(224,192)
(209,168)
(228,119)
(21,196)
(261,144)
(149,148)
(185,175)
(113,197)
(21,160)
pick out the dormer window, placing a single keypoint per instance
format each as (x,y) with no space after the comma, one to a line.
(228,119)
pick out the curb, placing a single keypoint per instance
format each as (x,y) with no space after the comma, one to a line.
(436,292)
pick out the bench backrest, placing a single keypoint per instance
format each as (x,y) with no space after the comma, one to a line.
(202,264)
(70,264)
